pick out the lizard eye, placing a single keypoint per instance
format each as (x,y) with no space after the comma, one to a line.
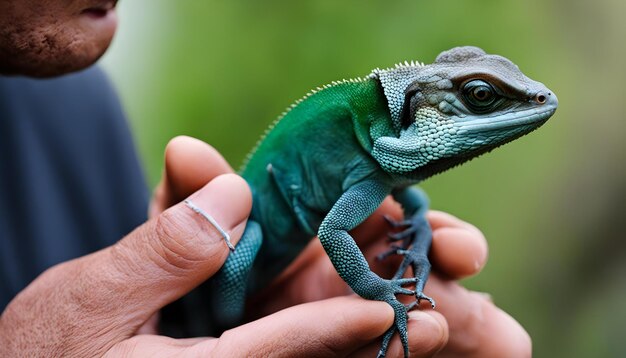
(479,96)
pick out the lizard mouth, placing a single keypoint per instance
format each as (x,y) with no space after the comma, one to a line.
(529,117)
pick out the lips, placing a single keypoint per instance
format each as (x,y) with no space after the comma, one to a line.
(100,8)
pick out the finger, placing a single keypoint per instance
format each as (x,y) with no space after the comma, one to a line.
(189,165)
(477,327)
(181,249)
(428,334)
(439,219)
(155,346)
(458,248)
(458,252)
(111,293)
(329,328)
(325,328)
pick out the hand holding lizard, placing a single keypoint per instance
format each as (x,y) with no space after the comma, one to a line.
(96,304)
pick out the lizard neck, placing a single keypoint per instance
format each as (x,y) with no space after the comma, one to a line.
(370,113)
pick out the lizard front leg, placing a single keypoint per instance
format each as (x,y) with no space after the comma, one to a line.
(415,239)
(356,204)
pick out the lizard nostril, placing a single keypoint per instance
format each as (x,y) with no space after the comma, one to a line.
(541,98)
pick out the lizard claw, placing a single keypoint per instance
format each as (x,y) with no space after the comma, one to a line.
(398,289)
(419,297)
(392,251)
(403,235)
(397,223)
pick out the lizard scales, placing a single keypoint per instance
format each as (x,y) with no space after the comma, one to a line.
(333,156)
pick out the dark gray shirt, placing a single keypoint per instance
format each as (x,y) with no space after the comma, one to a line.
(70,181)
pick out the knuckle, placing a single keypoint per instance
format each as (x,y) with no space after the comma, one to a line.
(175,244)
(178,242)
(229,345)
(174,225)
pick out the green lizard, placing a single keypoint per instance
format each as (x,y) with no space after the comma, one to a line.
(333,157)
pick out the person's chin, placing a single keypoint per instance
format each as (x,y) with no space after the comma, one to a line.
(65,56)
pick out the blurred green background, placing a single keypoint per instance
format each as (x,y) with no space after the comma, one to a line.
(552,204)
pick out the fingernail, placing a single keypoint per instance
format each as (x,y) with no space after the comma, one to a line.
(435,333)
(417,315)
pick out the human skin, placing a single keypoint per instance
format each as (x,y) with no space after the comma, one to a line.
(42,38)
(94,305)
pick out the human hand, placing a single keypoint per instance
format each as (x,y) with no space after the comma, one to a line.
(465,323)
(94,305)
(326,328)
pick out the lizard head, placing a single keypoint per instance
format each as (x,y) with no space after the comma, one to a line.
(464,104)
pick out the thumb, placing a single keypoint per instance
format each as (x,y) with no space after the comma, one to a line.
(98,300)
(170,255)
(189,164)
